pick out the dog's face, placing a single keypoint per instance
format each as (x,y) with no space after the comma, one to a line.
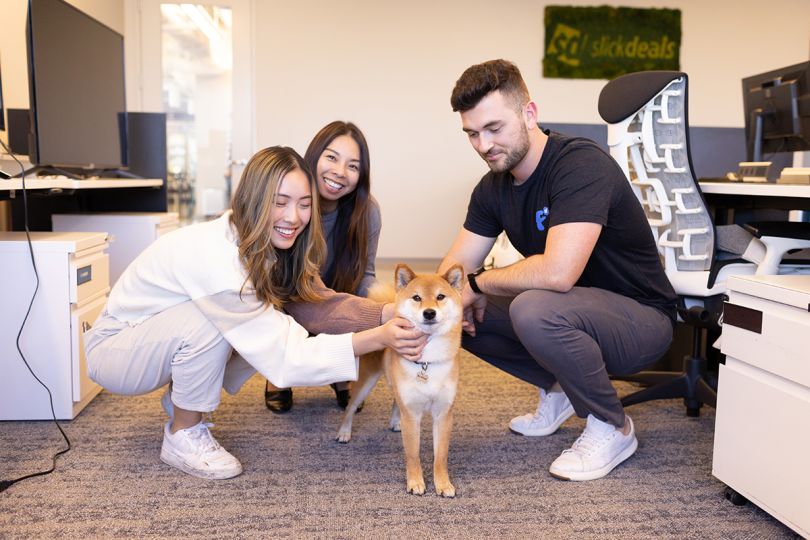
(430,301)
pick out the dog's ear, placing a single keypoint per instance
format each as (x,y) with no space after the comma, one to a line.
(402,276)
(455,277)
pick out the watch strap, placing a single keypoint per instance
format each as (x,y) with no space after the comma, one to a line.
(471,280)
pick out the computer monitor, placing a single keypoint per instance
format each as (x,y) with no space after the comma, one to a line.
(777,111)
(76,87)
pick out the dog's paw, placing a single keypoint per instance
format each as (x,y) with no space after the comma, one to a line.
(446,490)
(344,436)
(417,487)
(395,426)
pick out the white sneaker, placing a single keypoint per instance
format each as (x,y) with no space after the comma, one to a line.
(166,402)
(597,451)
(195,451)
(553,409)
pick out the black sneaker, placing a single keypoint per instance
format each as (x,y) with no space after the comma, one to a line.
(278,401)
(342,396)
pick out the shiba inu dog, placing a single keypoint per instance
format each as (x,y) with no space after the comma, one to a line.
(433,304)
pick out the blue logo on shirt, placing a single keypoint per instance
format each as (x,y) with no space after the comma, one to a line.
(540,217)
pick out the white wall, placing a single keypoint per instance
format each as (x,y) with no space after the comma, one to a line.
(390,68)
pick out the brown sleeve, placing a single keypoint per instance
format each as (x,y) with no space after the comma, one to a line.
(338,313)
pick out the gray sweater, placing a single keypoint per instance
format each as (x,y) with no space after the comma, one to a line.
(329,220)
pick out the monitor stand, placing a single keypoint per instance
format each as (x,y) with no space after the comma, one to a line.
(77,174)
(755,135)
(46,170)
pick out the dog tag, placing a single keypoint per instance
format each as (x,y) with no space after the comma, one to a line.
(422,376)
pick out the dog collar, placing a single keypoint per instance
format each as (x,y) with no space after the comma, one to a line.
(422,375)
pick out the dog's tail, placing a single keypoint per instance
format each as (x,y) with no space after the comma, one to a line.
(381,292)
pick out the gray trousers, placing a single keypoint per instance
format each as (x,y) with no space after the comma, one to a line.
(575,338)
(178,345)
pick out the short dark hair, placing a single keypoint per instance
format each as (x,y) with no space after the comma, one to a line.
(479,80)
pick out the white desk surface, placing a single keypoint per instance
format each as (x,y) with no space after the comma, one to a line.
(70,183)
(791,289)
(764,189)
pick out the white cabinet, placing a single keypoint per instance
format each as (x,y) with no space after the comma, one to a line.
(130,232)
(762,440)
(73,271)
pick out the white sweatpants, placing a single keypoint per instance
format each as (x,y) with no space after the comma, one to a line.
(178,345)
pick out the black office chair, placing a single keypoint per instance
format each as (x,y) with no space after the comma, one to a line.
(648,135)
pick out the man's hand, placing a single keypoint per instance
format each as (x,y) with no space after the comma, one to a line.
(474,306)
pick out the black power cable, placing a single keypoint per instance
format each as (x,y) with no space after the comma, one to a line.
(5,484)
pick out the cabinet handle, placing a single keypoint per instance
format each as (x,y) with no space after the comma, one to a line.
(86,326)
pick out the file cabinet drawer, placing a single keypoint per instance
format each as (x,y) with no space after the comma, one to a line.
(760,444)
(89,276)
(81,321)
(768,335)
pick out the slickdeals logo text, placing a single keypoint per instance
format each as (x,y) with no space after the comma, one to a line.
(572,47)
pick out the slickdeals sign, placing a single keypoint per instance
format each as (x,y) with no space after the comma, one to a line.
(604,42)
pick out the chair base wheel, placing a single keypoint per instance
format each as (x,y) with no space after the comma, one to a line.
(735,498)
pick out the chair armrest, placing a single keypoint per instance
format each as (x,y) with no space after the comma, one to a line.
(779,238)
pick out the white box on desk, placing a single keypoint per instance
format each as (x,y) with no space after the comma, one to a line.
(130,232)
(762,443)
(73,271)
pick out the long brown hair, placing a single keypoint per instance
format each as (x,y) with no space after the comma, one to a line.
(276,275)
(352,226)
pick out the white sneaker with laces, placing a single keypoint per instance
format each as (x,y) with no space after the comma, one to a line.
(553,409)
(195,451)
(596,452)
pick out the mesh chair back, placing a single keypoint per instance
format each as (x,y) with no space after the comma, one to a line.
(648,134)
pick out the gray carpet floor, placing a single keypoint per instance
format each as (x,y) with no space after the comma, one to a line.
(299,483)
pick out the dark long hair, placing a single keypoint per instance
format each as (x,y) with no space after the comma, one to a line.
(277,276)
(352,226)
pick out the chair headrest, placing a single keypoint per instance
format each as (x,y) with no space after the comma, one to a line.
(623,96)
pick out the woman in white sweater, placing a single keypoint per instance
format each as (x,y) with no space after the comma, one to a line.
(201,308)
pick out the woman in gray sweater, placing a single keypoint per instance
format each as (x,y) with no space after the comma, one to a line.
(338,156)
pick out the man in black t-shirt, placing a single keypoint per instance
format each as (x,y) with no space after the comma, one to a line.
(590,297)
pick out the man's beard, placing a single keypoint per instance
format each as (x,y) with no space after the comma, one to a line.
(514,155)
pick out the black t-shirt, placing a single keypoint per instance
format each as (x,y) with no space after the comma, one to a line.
(576,181)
